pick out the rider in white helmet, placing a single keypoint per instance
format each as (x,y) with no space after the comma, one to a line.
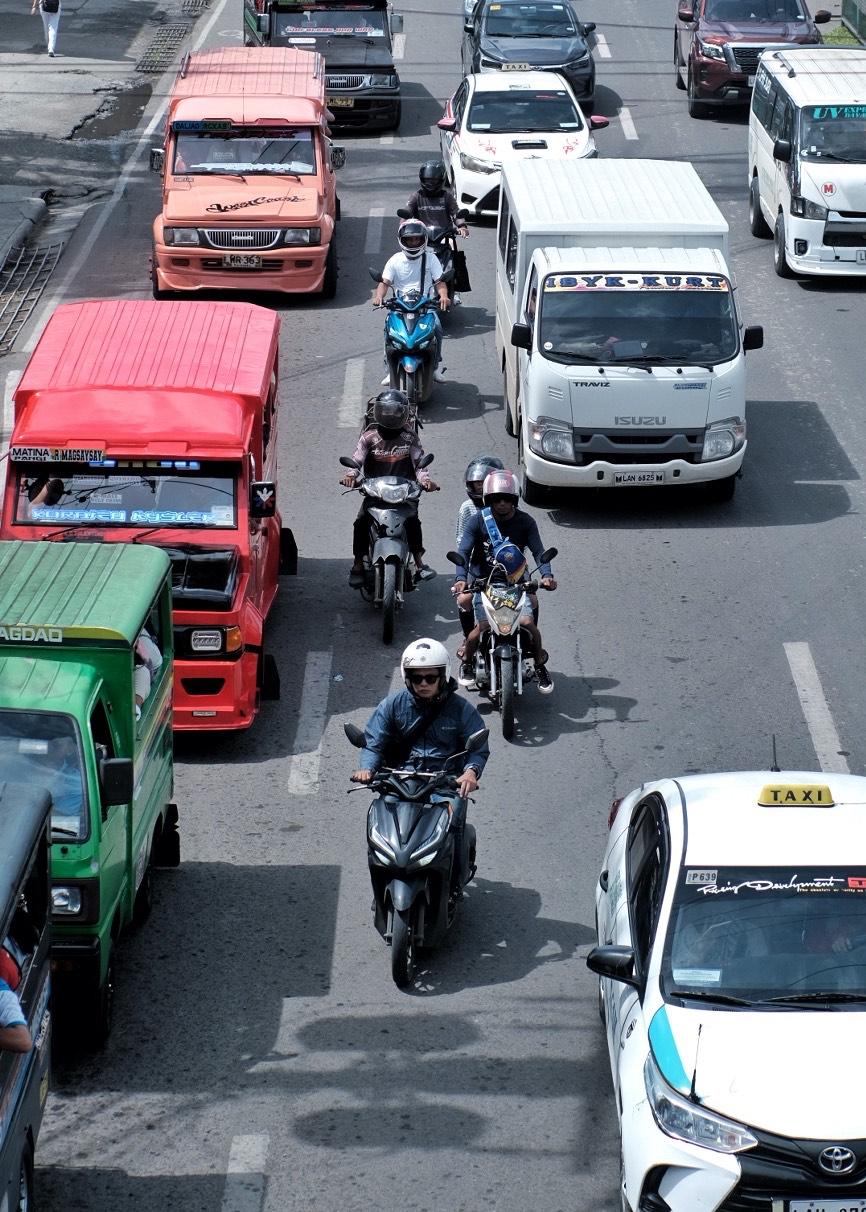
(424,725)
(415,267)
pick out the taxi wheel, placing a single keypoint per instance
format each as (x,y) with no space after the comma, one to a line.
(26,1199)
(678,79)
(780,261)
(722,490)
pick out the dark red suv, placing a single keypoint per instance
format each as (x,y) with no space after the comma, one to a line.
(717,44)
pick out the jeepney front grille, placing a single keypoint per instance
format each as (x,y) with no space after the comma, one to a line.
(242,238)
(268,265)
(345,81)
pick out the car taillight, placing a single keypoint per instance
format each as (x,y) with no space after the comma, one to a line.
(614,809)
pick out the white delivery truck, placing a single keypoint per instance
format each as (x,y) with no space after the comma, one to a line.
(621,347)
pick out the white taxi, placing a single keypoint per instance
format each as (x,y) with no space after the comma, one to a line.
(498,116)
(731,954)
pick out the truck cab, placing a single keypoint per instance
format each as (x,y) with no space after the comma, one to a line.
(357,41)
(249,195)
(187,463)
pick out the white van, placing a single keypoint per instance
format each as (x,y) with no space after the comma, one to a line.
(807,159)
(617,328)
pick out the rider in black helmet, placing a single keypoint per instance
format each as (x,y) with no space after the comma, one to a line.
(434,204)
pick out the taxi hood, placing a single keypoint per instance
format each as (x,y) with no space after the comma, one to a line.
(837,186)
(533,145)
(251,201)
(795,1073)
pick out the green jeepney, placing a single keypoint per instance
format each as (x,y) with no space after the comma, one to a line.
(85,632)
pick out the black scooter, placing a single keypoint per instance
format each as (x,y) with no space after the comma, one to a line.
(410,850)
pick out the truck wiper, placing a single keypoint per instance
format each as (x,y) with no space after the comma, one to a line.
(706,995)
(829,155)
(829,995)
(210,171)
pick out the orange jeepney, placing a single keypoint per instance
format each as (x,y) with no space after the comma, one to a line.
(138,421)
(249,196)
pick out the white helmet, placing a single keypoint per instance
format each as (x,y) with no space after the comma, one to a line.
(426,654)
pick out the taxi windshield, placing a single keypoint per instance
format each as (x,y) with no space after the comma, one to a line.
(117,492)
(520,110)
(516,20)
(246,150)
(835,133)
(768,934)
(340,22)
(674,318)
(43,749)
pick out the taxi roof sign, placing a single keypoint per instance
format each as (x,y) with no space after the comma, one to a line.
(796,795)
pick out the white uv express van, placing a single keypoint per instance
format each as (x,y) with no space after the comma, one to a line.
(807,159)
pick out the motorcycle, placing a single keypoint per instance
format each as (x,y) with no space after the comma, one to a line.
(443,242)
(410,850)
(410,342)
(388,572)
(502,667)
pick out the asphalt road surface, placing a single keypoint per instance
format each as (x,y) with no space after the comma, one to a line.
(262,1060)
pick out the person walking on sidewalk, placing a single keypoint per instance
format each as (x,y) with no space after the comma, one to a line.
(49,10)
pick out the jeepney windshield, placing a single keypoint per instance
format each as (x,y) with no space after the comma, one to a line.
(833,133)
(246,150)
(647,318)
(354,22)
(43,749)
(124,492)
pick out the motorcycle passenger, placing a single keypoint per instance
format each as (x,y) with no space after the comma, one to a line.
(438,723)
(415,268)
(499,521)
(436,205)
(480,467)
(389,447)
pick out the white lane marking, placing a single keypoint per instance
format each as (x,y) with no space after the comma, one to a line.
(120,189)
(349,409)
(312,713)
(627,123)
(399,49)
(602,47)
(825,738)
(386,140)
(375,223)
(245,1181)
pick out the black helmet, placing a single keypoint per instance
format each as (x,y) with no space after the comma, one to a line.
(477,472)
(391,409)
(432,176)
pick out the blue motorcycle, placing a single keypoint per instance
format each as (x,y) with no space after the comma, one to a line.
(411,327)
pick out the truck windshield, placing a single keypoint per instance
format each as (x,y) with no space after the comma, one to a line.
(516,20)
(246,150)
(341,22)
(43,749)
(118,492)
(523,110)
(664,318)
(833,132)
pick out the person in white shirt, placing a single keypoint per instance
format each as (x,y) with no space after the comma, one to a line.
(403,273)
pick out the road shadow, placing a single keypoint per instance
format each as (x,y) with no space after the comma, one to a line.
(577,705)
(97,1189)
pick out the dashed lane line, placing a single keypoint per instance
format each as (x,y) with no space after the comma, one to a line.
(349,409)
(312,714)
(819,721)
(386,140)
(627,123)
(602,47)
(375,223)
(245,1181)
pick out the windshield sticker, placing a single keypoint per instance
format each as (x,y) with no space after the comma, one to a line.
(223,207)
(183,124)
(697,976)
(715,282)
(55,454)
(838,111)
(48,513)
(701,877)
(31,635)
(817,883)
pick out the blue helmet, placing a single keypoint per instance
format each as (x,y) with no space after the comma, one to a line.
(512,561)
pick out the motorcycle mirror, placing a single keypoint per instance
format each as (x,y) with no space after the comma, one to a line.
(455,557)
(345,461)
(426,461)
(355,736)
(550,553)
(463,214)
(476,739)
(375,275)
(403,212)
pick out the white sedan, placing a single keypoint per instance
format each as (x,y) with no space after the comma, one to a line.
(498,116)
(731,916)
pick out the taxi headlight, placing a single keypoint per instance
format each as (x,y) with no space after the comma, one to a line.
(684,1120)
(552,439)
(723,438)
(805,209)
(180,235)
(472,164)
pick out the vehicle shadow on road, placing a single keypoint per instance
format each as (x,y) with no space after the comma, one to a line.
(578,704)
(94,1189)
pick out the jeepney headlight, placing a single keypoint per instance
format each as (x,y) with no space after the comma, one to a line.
(552,439)
(206,641)
(181,235)
(682,1119)
(723,438)
(804,209)
(383,81)
(302,235)
(66,901)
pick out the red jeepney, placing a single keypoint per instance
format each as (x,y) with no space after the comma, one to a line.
(139,421)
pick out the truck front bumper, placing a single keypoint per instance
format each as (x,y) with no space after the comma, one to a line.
(612,475)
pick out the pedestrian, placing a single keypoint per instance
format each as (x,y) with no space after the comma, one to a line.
(50,13)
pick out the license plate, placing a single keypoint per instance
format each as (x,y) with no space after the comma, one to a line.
(826,1205)
(515,67)
(751,81)
(340,102)
(626,478)
(242,261)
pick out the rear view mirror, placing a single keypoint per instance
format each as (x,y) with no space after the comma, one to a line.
(396,23)
(616,963)
(463,213)
(345,461)
(753,338)
(549,553)
(588,27)
(455,557)
(115,781)
(263,499)
(426,461)
(447,124)
(686,13)
(355,736)
(782,151)
(338,156)
(403,212)
(157,159)
(598,121)
(521,336)
(374,274)
(822,17)
(476,739)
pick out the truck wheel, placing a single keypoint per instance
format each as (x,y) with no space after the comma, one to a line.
(389,602)
(270,679)
(26,1197)
(329,283)
(758,225)
(509,424)
(780,261)
(697,109)
(166,845)
(96,1008)
(722,490)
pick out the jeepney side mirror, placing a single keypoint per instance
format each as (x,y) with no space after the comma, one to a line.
(782,151)
(448,124)
(157,159)
(521,336)
(753,338)
(115,781)
(338,156)
(396,23)
(616,963)
(263,499)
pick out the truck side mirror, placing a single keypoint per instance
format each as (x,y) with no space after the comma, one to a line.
(263,499)
(782,151)
(338,156)
(753,338)
(157,159)
(115,781)
(521,336)
(396,23)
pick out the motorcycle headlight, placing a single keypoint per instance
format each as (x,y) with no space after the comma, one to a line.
(302,235)
(723,438)
(472,164)
(710,50)
(434,839)
(686,1121)
(383,81)
(552,439)
(179,236)
(504,620)
(378,841)
(805,209)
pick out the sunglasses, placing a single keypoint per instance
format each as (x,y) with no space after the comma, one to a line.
(501,500)
(417,678)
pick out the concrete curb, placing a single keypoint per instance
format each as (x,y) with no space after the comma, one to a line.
(20,213)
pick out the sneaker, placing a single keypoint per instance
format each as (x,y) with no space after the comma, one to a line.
(466,674)
(423,572)
(457,301)
(386,380)
(439,374)
(545,685)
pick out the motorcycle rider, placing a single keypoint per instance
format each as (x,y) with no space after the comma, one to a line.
(476,472)
(497,522)
(415,268)
(436,206)
(438,723)
(389,447)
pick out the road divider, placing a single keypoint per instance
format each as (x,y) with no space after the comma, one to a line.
(306,756)
(819,721)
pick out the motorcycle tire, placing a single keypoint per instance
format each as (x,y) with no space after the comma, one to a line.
(403,947)
(389,602)
(409,384)
(506,700)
